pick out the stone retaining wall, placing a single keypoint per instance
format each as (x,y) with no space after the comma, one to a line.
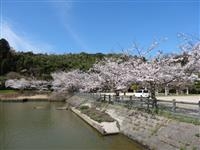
(153,131)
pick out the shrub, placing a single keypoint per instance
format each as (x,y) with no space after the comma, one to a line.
(84,107)
(96,115)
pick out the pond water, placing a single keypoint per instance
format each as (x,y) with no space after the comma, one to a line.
(22,128)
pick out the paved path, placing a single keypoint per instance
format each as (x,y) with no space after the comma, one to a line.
(189,98)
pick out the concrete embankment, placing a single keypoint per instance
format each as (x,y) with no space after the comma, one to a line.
(105,128)
(153,131)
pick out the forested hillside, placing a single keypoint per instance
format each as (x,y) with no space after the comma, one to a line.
(16,65)
(41,65)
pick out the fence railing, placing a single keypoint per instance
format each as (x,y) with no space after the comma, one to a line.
(188,108)
(181,106)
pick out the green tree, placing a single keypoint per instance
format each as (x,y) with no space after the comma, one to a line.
(5,57)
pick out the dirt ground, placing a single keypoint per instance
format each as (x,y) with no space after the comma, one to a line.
(189,98)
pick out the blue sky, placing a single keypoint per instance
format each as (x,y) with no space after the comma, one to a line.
(60,26)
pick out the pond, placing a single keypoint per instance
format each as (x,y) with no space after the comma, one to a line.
(22,128)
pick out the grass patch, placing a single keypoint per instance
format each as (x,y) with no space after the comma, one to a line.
(84,108)
(8,91)
(155,130)
(180,118)
(96,115)
(197,134)
(170,115)
(194,148)
(183,148)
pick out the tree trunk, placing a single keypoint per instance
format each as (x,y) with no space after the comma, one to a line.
(187,91)
(157,92)
(116,95)
(166,91)
(153,95)
(177,92)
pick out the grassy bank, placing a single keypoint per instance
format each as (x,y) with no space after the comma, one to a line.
(20,95)
(178,117)
(8,92)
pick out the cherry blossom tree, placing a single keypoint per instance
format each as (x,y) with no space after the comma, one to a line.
(77,81)
(119,73)
(164,70)
(113,73)
(22,84)
(92,82)
(17,84)
(159,71)
(67,81)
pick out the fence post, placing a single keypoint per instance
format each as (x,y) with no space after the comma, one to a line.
(141,102)
(104,97)
(109,99)
(199,107)
(147,104)
(112,99)
(174,105)
(116,98)
(131,98)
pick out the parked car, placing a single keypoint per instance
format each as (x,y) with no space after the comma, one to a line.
(142,93)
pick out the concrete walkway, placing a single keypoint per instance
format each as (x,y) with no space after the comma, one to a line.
(189,98)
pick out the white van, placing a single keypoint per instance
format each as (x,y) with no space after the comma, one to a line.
(142,93)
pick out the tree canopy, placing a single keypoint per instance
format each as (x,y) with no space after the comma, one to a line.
(40,66)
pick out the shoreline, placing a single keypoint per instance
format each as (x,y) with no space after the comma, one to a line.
(150,131)
(37,97)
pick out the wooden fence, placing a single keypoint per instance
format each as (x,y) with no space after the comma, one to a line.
(132,101)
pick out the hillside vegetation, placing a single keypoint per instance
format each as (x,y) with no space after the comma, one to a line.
(16,64)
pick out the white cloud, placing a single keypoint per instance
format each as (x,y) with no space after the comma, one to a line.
(76,37)
(63,10)
(21,41)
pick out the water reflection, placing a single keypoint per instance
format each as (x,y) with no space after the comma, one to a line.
(23,127)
